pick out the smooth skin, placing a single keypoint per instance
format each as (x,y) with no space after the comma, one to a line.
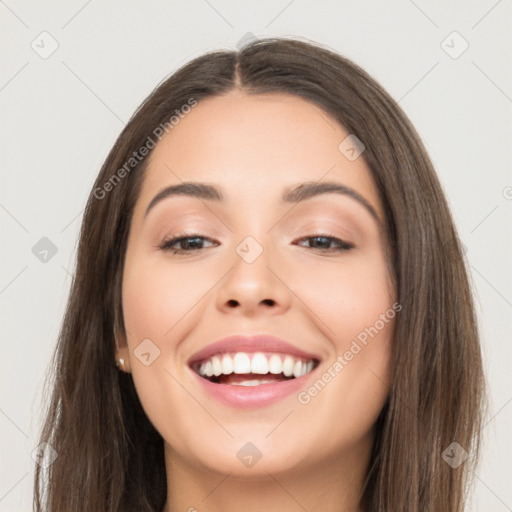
(301,289)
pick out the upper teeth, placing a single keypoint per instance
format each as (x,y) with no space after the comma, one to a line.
(242,362)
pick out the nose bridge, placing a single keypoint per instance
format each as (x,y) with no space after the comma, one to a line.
(252,282)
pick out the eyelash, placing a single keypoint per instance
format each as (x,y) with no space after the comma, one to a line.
(167,244)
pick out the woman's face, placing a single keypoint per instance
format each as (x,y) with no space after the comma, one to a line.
(259,265)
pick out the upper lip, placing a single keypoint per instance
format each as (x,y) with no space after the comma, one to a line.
(250,344)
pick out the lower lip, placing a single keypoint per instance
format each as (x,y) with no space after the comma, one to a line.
(252,396)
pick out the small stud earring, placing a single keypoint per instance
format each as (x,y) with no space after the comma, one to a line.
(119,362)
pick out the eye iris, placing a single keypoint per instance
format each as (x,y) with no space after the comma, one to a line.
(327,241)
(195,243)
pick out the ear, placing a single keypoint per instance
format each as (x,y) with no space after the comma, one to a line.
(122,352)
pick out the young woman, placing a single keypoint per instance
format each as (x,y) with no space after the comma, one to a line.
(270,310)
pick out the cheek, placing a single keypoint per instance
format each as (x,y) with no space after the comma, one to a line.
(155,299)
(154,302)
(348,297)
(357,315)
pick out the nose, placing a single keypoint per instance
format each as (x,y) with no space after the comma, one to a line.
(251,288)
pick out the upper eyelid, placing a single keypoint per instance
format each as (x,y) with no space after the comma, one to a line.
(345,217)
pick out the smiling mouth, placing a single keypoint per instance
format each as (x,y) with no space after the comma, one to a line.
(246,369)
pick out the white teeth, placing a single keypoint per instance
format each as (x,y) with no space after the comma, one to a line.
(301,368)
(227,365)
(242,363)
(288,366)
(258,363)
(275,365)
(208,369)
(217,366)
(255,382)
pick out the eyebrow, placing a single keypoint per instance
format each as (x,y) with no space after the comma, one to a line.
(293,194)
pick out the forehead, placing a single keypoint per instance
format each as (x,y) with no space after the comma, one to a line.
(254,146)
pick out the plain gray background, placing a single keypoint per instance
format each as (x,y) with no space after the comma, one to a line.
(62,111)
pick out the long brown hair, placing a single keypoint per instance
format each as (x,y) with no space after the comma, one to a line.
(111,458)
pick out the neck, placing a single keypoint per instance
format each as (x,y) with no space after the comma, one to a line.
(333,485)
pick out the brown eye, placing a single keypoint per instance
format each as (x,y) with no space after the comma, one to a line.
(189,243)
(324,243)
